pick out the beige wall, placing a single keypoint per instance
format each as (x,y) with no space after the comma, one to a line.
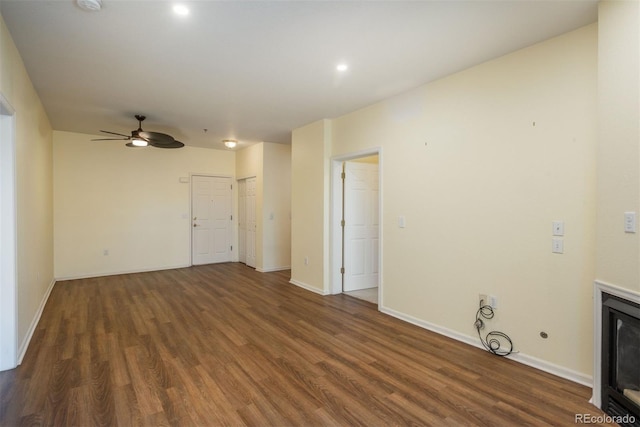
(618,259)
(127,201)
(34,188)
(276,207)
(249,161)
(310,148)
(480,163)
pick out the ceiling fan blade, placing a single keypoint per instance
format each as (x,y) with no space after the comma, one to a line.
(115,133)
(174,144)
(156,137)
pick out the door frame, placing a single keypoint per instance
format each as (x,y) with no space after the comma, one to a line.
(335,216)
(255,247)
(234,233)
(241,219)
(8,236)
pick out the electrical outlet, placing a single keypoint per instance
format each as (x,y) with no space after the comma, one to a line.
(493,302)
(490,300)
(105,252)
(482,299)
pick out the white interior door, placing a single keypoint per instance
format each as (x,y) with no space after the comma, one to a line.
(211,219)
(242,219)
(361,226)
(251,222)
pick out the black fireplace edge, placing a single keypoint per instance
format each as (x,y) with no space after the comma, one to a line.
(624,411)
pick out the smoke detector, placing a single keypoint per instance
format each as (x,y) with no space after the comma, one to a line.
(90,5)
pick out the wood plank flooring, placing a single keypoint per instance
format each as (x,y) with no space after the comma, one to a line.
(224,345)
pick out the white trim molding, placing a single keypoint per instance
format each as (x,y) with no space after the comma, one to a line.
(272,269)
(116,273)
(8,238)
(308,287)
(473,341)
(600,287)
(34,323)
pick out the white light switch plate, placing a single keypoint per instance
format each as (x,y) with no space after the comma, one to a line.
(557,246)
(629,222)
(558,228)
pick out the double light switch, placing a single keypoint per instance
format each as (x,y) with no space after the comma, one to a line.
(557,243)
(629,222)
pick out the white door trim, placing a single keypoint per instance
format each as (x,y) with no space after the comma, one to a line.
(335,231)
(251,246)
(8,239)
(241,220)
(189,223)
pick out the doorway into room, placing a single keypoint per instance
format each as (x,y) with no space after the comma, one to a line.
(356,226)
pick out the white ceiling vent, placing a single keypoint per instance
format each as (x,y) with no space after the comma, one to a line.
(90,5)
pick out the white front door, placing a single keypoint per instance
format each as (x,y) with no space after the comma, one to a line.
(361,226)
(211,219)
(250,222)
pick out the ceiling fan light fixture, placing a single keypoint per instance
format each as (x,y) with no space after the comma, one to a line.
(141,138)
(90,5)
(230,143)
(139,142)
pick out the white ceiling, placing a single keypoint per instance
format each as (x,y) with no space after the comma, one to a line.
(255,70)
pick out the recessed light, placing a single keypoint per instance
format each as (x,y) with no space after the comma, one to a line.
(180,9)
(342,67)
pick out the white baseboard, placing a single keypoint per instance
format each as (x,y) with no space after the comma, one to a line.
(308,287)
(22,350)
(559,371)
(525,359)
(115,273)
(270,270)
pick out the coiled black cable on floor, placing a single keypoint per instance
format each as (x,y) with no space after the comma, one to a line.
(494,340)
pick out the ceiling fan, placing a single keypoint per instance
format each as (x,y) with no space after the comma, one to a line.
(141,138)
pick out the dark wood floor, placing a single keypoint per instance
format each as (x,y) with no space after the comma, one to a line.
(225,345)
